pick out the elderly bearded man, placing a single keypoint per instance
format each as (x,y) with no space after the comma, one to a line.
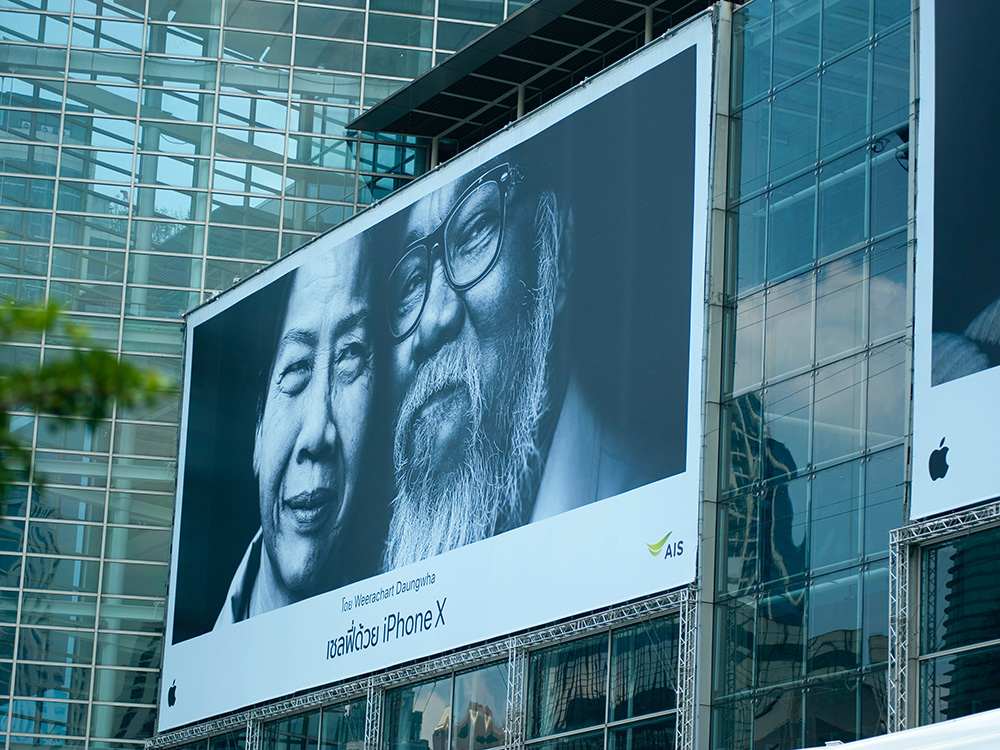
(310,436)
(492,430)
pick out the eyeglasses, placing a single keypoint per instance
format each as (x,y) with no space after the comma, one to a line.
(468,240)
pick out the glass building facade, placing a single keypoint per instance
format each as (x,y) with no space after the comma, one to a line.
(152,152)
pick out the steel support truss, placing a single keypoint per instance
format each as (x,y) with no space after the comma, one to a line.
(904,549)
(513,649)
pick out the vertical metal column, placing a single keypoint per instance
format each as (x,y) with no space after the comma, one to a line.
(373,715)
(517,658)
(253,734)
(686,657)
(899,624)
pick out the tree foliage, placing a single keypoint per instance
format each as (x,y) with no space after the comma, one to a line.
(81,381)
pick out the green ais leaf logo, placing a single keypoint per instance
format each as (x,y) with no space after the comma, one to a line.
(669,549)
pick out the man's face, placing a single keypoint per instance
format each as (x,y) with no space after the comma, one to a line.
(469,381)
(309,440)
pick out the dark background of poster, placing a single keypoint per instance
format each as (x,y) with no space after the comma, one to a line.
(966,155)
(625,165)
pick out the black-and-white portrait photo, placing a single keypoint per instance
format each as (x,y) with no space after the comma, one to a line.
(510,346)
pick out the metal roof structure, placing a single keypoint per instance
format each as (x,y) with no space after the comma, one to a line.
(539,52)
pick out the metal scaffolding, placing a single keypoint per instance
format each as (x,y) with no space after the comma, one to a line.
(904,551)
(513,649)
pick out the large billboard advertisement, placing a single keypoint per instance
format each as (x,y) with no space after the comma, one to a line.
(473,409)
(956,427)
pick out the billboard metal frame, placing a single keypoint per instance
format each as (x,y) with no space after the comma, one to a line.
(515,649)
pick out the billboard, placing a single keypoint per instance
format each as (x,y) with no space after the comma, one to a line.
(473,409)
(956,410)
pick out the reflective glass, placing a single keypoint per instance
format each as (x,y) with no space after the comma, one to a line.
(101,98)
(793,128)
(26,92)
(33,27)
(842,201)
(418,714)
(749,149)
(960,684)
(102,33)
(393,61)
(748,344)
(321,152)
(586,741)
(87,297)
(68,503)
(791,227)
(340,24)
(28,60)
(834,525)
(840,306)
(222,274)
(103,132)
(319,119)
(845,24)
(177,73)
(175,138)
(328,55)
(138,544)
(413,32)
(131,614)
(121,722)
(490,11)
(249,46)
(788,327)
(840,395)
(890,182)
(247,178)
(644,669)
(184,12)
(455,36)
(168,270)
(49,681)
(875,622)
(245,112)
(567,686)
(734,646)
(778,719)
(831,712)
(480,708)
(874,703)
(21,225)
(64,539)
(134,579)
(152,336)
(751,75)
(141,509)
(25,192)
(186,106)
(124,686)
(844,110)
(331,88)
(889,12)
(248,210)
(158,303)
(59,646)
(780,637)
(299,732)
(887,371)
(171,204)
(73,435)
(167,236)
(64,468)
(260,16)
(93,198)
(834,624)
(656,734)
(783,526)
(61,574)
(175,172)
(17,124)
(891,84)
(418,7)
(91,230)
(183,41)
(254,79)
(738,552)
(107,67)
(317,184)
(142,474)
(314,217)
(49,717)
(253,244)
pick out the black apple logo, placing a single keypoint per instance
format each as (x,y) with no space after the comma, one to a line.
(938,464)
(172,692)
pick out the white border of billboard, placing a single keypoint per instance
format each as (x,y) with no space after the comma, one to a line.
(248,663)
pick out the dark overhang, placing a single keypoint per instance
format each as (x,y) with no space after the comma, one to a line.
(539,52)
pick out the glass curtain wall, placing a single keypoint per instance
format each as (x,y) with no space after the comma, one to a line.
(815,403)
(152,152)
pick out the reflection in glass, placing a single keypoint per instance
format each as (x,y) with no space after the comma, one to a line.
(780,637)
(837,431)
(789,327)
(480,708)
(657,734)
(836,497)
(834,636)
(840,297)
(419,716)
(644,669)
(566,686)
(831,712)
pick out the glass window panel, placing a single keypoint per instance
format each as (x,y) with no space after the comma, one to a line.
(744,421)
(26,92)
(254,79)
(480,708)
(566,686)
(101,98)
(33,27)
(377,89)
(831,712)
(394,159)
(222,274)
(586,741)
(644,669)
(455,36)
(186,106)
(413,32)
(173,171)
(247,178)
(788,327)
(167,236)
(113,166)
(61,575)
(102,331)
(93,198)
(101,33)
(875,622)
(889,196)
(11,536)
(122,722)
(326,87)
(162,203)
(142,474)
(489,11)
(845,24)
(168,270)
(321,152)
(891,84)
(124,686)
(748,346)
(747,242)
(183,41)
(152,336)
(175,138)
(106,8)
(889,12)
(290,242)
(418,714)
(68,503)
(842,203)
(167,409)
(328,55)
(319,119)
(188,12)
(371,189)
(317,184)
(29,60)
(884,484)
(419,7)
(734,645)
(796,37)
(94,298)
(134,579)
(887,399)
(840,306)
(844,95)
(8,607)
(23,124)
(22,225)
(23,259)
(293,733)
(64,539)
(253,244)
(138,544)
(752,50)
(132,614)
(235,740)
(784,523)
(838,409)
(259,16)
(28,159)
(343,726)
(49,717)
(59,646)
(393,61)
(780,637)
(791,227)
(737,567)
(341,24)
(177,73)
(793,128)
(65,468)
(7,643)
(249,46)
(152,440)
(315,217)
(25,192)
(656,734)
(50,681)
(834,633)
(65,610)
(248,210)
(732,722)
(104,66)
(91,230)
(140,508)
(28,291)
(959,685)
(101,132)
(245,111)
(836,498)
(73,435)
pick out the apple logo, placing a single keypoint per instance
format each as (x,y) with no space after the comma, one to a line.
(172,693)
(938,463)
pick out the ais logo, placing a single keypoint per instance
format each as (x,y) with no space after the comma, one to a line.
(668,548)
